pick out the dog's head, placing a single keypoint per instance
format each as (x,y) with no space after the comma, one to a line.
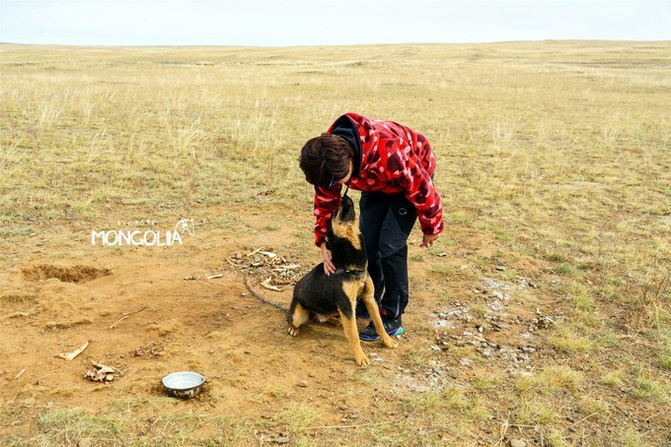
(344,238)
(343,222)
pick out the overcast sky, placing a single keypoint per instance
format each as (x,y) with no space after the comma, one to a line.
(325,22)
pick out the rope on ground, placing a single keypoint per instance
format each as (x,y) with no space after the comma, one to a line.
(262,299)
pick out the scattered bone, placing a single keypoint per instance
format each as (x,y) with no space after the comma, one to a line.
(151,350)
(287,267)
(261,263)
(266,284)
(254,252)
(101,373)
(218,275)
(69,324)
(284,282)
(106,369)
(20,373)
(71,355)
(19,314)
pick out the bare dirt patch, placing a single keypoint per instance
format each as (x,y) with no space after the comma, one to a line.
(75,273)
(188,308)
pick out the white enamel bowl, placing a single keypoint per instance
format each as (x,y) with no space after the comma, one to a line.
(183,384)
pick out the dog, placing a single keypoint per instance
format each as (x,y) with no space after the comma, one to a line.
(318,297)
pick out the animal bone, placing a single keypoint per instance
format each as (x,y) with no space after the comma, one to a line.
(71,355)
(102,373)
(269,286)
(104,369)
(255,252)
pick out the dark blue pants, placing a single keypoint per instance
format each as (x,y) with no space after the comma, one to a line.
(386,222)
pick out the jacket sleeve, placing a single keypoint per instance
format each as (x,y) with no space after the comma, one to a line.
(408,172)
(327,202)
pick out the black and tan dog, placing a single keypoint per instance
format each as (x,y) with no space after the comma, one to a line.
(317,297)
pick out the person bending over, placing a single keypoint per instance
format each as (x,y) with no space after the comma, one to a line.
(393,166)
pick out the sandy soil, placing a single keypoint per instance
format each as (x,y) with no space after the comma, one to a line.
(149,311)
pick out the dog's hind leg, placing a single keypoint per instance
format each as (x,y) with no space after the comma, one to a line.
(368,297)
(297,317)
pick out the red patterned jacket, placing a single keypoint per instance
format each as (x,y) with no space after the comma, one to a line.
(394,159)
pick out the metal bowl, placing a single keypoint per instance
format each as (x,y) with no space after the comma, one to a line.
(183,384)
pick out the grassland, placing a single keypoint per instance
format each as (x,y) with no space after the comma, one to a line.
(560,152)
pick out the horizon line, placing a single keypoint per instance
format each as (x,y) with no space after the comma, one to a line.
(331,44)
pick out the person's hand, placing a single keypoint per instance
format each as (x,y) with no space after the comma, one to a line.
(329,267)
(428,240)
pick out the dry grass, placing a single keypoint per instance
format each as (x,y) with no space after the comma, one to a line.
(559,150)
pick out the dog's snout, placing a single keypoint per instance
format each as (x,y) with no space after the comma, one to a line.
(346,210)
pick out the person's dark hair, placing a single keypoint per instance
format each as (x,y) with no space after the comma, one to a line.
(325,159)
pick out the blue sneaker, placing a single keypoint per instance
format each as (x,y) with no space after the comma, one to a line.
(393,327)
(362,312)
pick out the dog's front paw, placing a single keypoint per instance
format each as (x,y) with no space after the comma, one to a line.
(362,361)
(293,330)
(390,343)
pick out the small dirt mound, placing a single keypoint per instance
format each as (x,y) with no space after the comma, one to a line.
(75,273)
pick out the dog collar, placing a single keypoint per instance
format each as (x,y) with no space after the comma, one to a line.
(350,272)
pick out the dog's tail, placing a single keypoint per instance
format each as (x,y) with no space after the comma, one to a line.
(290,312)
